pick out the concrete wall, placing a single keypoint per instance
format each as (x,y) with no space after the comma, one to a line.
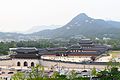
(6,62)
(13,64)
(68,58)
(29,61)
(71,65)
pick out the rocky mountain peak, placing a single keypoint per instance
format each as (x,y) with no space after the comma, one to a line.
(82,15)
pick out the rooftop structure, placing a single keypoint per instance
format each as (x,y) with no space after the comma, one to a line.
(25,53)
(85,48)
(76,56)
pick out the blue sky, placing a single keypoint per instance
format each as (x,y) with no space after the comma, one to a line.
(21,15)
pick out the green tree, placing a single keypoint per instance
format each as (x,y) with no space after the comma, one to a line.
(114,73)
(94,72)
(55,74)
(72,75)
(36,73)
(18,76)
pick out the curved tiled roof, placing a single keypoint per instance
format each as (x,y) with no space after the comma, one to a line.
(85,41)
(85,48)
(25,56)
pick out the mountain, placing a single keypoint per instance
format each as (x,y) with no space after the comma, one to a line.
(84,25)
(114,23)
(40,28)
(80,26)
(7,36)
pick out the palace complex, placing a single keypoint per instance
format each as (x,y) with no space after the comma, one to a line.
(77,56)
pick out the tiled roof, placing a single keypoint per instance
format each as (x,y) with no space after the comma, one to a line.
(85,42)
(28,56)
(26,50)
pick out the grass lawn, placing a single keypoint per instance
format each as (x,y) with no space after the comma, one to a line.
(115,53)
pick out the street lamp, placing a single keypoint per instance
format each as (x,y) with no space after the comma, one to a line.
(59,66)
(88,63)
(38,57)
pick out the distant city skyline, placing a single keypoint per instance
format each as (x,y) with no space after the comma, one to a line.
(22,15)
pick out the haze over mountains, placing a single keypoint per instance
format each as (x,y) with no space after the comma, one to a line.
(40,28)
(84,25)
(80,25)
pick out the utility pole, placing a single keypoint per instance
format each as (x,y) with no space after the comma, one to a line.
(59,66)
(38,57)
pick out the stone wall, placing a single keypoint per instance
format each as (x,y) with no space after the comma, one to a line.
(29,61)
(13,64)
(6,62)
(72,65)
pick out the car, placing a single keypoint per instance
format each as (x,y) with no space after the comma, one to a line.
(3,72)
(85,75)
(51,71)
(10,72)
(19,70)
(84,71)
(12,69)
(78,73)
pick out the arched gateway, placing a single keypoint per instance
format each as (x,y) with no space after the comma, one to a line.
(18,64)
(25,63)
(25,57)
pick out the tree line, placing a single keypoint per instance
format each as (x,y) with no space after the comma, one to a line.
(4,46)
(44,43)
